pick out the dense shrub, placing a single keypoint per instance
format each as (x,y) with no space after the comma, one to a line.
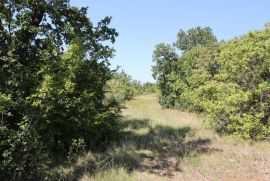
(228,81)
(244,65)
(23,157)
(71,101)
(149,88)
(165,58)
(50,96)
(122,87)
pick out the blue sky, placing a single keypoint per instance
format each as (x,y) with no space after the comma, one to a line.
(144,23)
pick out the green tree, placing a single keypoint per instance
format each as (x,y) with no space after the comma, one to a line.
(244,71)
(122,87)
(195,37)
(49,97)
(228,81)
(164,57)
(149,88)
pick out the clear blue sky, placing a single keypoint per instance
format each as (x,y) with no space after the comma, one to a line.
(144,23)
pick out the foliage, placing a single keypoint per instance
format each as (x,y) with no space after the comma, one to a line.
(228,81)
(122,87)
(149,88)
(244,66)
(72,95)
(22,155)
(50,96)
(195,37)
(165,57)
(77,147)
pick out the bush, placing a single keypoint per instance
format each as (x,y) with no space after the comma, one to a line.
(228,81)
(245,109)
(122,87)
(23,156)
(50,96)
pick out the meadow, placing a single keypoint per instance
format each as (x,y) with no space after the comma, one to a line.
(68,111)
(166,144)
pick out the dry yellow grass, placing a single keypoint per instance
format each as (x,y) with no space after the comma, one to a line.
(163,144)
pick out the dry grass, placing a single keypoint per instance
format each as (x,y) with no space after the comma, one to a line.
(162,144)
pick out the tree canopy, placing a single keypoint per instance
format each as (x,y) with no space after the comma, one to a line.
(229,81)
(195,37)
(54,66)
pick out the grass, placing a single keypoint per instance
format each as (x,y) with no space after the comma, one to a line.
(163,144)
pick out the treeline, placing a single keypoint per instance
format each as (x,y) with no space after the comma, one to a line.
(122,87)
(52,100)
(229,81)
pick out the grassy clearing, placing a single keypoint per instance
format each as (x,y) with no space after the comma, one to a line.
(162,144)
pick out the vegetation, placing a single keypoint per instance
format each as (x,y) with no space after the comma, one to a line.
(61,105)
(228,81)
(122,87)
(164,144)
(195,37)
(52,101)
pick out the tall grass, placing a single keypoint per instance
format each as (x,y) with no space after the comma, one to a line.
(162,144)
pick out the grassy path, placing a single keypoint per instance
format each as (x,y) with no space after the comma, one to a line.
(160,144)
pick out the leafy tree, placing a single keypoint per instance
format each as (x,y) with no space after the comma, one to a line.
(122,87)
(50,97)
(149,88)
(195,37)
(171,71)
(195,68)
(244,110)
(164,57)
(71,101)
(228,81)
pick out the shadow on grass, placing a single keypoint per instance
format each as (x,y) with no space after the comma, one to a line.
(158,150)
(135,123)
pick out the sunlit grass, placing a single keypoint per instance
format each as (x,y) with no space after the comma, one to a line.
(163,144)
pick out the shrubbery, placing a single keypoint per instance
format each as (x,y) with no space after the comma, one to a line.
(122,87)
(228,81)
(52,100)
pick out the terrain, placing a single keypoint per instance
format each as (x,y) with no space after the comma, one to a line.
(165,144)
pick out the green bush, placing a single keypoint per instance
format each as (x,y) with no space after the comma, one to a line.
(227,81)
(122,87)
(23,157)
(244,110)
(50,95)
